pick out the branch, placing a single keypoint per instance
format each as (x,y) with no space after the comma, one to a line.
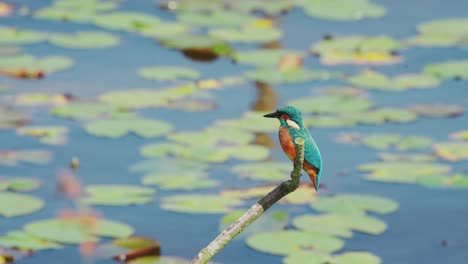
(256,210)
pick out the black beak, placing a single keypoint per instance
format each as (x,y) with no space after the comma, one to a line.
(272,115)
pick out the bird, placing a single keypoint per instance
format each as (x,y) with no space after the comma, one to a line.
(291,127)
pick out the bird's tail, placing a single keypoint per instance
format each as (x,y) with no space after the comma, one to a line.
(314,178)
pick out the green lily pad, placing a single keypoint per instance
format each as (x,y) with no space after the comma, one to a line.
(334,104)
(168,166)
(448,70)
(14,204)
(461,135)
(341,224)
(54,135)
(118,195)
(159,260)
(89,110)
(443,32)
(39,99)
(74,231)
(188,181)
(356,44)
(270,221)
(328,121)
(452,151)
(382,115)
(127,21)
(437,110)
(215,19)
(18,184)
(348,11)
(274,76)
(14,157)
(213,136)
(406,157)
(24,241)
(442,181)
(76,11)
(10,118)
(266,171)
(272,8)
(189,40)
(402,171)
(165,30)
(115,128)
(15,36)
(375,80)
(49,64)
(287,242)
(247,34)
(250,121)
(314,257)
(200,153)
(200,204)
(142,98)
(168,73)
(354,203)
(384,141)
(263,57)
(85,40)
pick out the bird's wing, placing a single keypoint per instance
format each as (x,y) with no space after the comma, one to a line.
(312,153)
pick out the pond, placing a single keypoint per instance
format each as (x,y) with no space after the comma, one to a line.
(159,108)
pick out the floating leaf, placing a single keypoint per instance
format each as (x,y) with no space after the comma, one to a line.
(74,231)
(36,99)
(402,171)
(384,141)
(200,204)
(168,73)
(382,115)
(314,257)
(332,104)
(353,203)
(85,40)
(11,118)
(448,70)
(442,181)
(274,7)
(118,195)
(247,34)
(263,57)
(274,76)
(169,166)
(462,135)
(443,32)
(214,19)
(406,157)
(54,135)
(89,110)
(340,224)
(356,44)
(272,221)
(355,10)
(24,241)
(375,80)
(14,204)
(127,21)
(116,128)
(371,58)
(452,151)
(289,242)
(14,36)
(265,171)
(28,63)
(13,157)
(19,184)
(76,11)
(159,260)
(184,181)
(165,30)
(437,110)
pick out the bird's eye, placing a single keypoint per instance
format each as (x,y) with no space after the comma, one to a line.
(292,124)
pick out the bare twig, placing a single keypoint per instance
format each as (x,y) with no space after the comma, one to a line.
(256,210)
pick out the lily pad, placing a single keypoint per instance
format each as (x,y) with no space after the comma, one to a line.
(382,115)
(452,151)
(39,99)
(334,104)
(127,21)
(74,231)
(18,184)
(10,118)
(384,141)
(28,63)
(215,19)
(184,181)
(159,260)
(14,204)
(264,171)
(461,135)
(406,157)
(289,242)
(169,166)
(246,34)
(168,73)
(375,80)
(85,40)
(348,11)
(200,204)
(263,57)
(274,76)
(76,11)
(118,195)
(437,110)
(24,241)
(354,203)
(402,171)
(116,128)
(274,7)
(14,157)
(314,257)
(89,110)
(270,221)
(356,44)
(54,135)
(443,181)
(15,36)
(340,224)
(454,69)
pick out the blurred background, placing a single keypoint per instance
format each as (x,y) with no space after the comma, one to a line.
(128,119)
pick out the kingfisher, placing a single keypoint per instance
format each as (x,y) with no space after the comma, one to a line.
(291,127)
